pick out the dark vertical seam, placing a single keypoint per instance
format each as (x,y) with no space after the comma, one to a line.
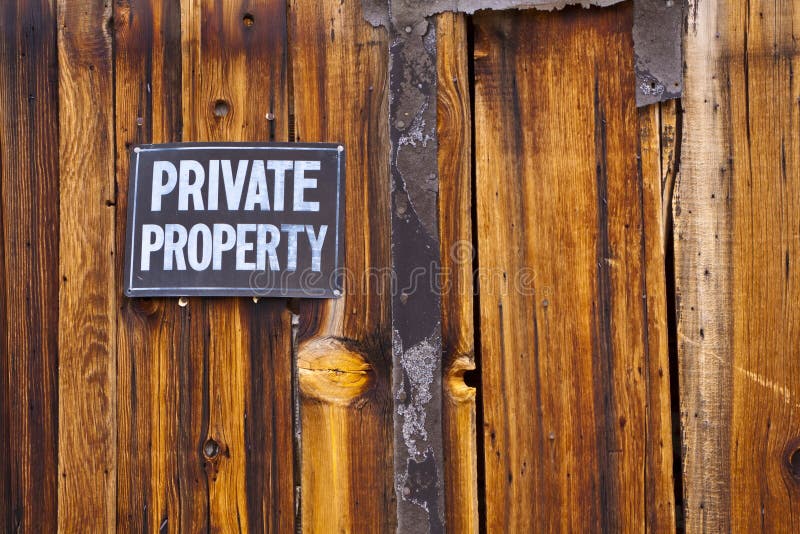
(650,436)
(672,332)
(476,308)
(5,363)
(601,319)
(108,27)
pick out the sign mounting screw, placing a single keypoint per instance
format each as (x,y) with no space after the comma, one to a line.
(270,116)
(182,302)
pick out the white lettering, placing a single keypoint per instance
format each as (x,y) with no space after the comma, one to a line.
(243,247)
(291,253)
(257,190)
(161,188)
(192,247)
(152,240)
(233,187)
(186,189)
(316,245)
(213,185)
(174,242)
(301,183)
(280,167)
(224,239)
(264,248)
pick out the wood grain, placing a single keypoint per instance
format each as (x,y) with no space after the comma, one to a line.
(29,267)
(239,374)
(566,225)
(736,214)
(655,161)
(87,296)
(339,66)
(457,251)
(152,338)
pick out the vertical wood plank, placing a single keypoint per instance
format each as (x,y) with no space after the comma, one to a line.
(659,497)
(234,72)
(455,228)
(87,302)
(29,268)
(151,334)
(736,217)
(566,228)
(344,357)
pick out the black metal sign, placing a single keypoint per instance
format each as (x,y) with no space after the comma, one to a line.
(254,219)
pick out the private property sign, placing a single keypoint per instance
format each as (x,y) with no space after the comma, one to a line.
(239,219)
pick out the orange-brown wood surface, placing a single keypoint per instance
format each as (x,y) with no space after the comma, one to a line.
(29,280)
(240,377)
(87,378)
(457,252)
(344,356)
(152,333)
(736,218)
(567,226)
(234,414)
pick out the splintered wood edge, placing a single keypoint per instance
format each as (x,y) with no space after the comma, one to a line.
(330,371)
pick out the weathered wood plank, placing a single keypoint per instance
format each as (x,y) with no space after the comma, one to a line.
(455,229)
(239,372)
(87,297)
(659,499)
(736,218)
(151,338)
(344,356)
(566,224)
(29,268)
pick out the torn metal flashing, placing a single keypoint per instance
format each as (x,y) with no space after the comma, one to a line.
(416,260)
(657,33)
(409,11)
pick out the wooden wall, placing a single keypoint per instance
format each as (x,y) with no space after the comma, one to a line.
(609,273)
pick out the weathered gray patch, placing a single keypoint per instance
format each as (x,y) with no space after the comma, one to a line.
(657,32)
(418,366)
(419,470)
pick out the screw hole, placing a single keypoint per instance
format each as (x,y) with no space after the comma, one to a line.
(221,108)
(248,20)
